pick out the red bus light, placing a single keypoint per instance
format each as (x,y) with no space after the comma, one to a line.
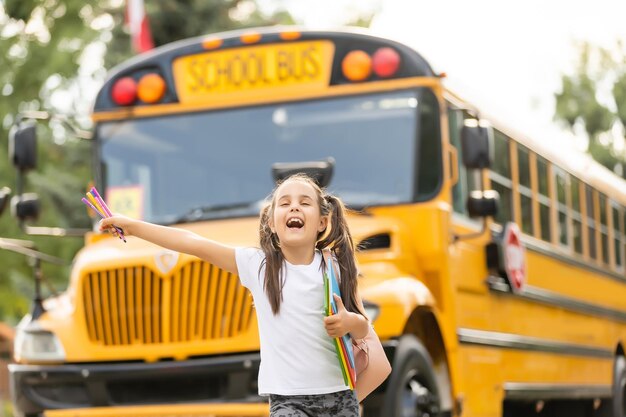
(385,62)
(357,65)
(124,91)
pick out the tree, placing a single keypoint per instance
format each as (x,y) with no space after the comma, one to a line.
(44,45)
(40,47)
(172,20)
(601,73)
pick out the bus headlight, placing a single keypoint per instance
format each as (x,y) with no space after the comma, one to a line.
(32,343)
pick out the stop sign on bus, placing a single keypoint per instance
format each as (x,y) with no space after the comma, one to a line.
(514,257)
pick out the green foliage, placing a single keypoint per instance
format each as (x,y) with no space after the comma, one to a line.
(40,42)
(173,20)
(619,93)
(363,20)
(578,102)
(13,309)
(41,47)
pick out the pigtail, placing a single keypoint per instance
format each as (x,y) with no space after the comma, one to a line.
(340,240)
(273,282)
(336,236)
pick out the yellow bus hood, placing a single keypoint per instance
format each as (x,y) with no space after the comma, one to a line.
(129,301)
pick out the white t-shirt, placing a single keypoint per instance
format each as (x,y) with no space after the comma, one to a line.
(297,355)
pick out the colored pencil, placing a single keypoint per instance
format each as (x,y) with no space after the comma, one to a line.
(93,201)
(101,209)
(99,199)
(84,200)
(106,209)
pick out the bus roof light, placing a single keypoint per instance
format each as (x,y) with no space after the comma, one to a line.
(385,62)
(212,43)
(151,88)
(357,65)
(124,91)
(290,35)
(250,37)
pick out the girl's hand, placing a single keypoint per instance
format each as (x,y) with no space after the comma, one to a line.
(119,221)
(340,323)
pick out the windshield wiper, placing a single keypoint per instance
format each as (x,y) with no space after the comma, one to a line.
(217,211)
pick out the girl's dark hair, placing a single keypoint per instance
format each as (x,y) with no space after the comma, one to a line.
(338,239)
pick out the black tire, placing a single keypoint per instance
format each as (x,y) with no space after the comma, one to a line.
(412,387)
(619,387)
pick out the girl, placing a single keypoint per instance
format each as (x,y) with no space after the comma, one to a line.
(299,369)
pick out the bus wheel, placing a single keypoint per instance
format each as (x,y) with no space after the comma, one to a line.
(412,388)
(619,387)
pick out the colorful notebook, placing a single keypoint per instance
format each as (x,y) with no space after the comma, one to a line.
(343,345)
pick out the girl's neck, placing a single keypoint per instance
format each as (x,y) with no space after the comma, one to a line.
(298,255)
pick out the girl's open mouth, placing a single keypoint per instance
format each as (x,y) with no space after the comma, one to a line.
(295,223)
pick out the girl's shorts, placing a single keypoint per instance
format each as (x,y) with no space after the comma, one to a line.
(336,404)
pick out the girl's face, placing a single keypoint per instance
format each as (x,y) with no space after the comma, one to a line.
(297,219)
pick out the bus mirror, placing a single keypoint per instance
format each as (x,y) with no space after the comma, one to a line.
(483,203)
(23,147)
(25,206)
(476,139)
(320,171)
(5,193)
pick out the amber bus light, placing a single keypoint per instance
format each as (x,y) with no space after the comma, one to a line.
(124,91)
(212,43)
(357,65)
(290,35)
(250,37)
(385,62)
(151,88)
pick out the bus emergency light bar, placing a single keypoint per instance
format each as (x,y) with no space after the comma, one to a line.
(357,65)
(150,89)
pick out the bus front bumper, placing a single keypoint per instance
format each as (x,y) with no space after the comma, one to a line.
(212,381)
(182,410)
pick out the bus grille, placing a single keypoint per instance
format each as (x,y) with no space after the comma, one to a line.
(128,306)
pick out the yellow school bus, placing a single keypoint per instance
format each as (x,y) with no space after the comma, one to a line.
(482,312)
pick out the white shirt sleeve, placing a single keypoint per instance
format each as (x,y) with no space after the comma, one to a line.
(248,264)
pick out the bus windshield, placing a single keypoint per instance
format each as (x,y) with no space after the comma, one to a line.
(223,159)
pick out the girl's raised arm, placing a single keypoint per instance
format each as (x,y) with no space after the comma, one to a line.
(178,240)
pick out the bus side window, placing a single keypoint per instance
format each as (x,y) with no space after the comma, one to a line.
(430,164)
(604,230)
(588,197)
(544,198)
(525,191)
(617,234)
(467,179)
(500,177)
(577,229)
(562,191)
(623,225)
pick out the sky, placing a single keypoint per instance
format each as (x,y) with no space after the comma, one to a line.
(506,57)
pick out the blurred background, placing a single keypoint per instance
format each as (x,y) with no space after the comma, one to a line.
(555,70)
